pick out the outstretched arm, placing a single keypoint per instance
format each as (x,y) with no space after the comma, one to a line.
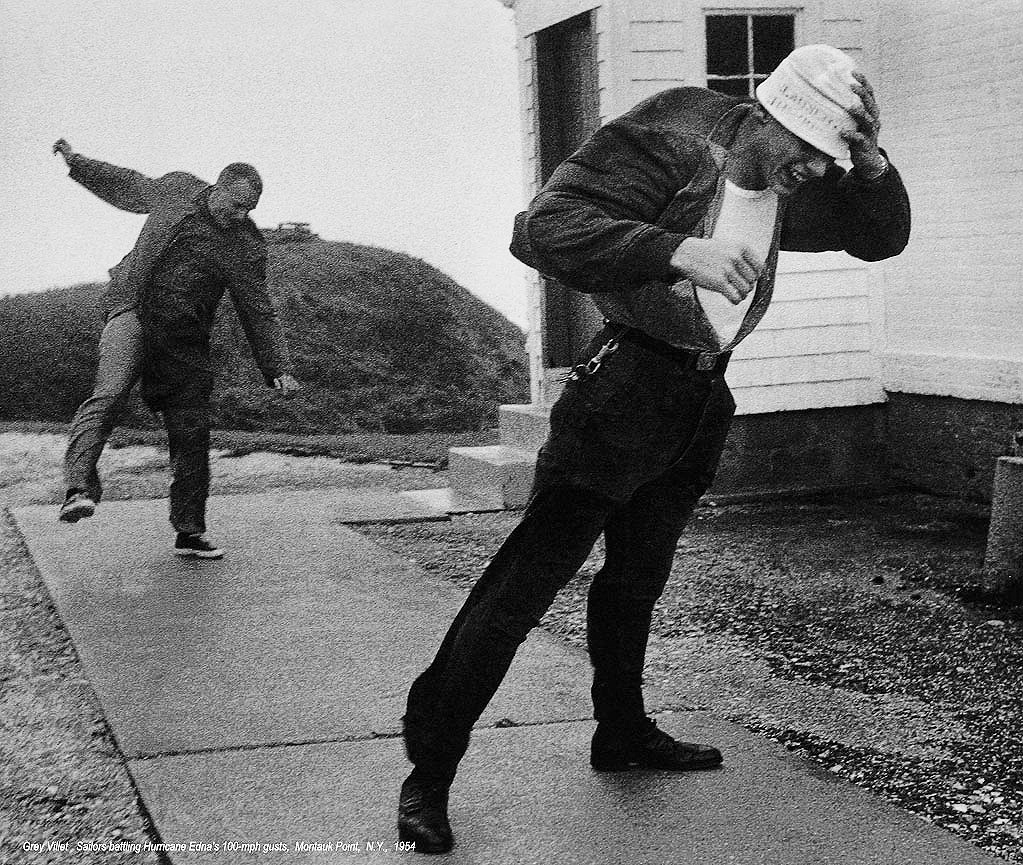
(124,188)
(261,324)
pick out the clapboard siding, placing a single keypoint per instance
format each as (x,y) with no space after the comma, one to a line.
(659,44)
(844,33)
(804,368)
(795,341)
(657,66)
(814,347)
(815,312)
(953,108)
(656,10)
(665,36)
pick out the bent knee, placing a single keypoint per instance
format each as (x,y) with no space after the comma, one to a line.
(104,402)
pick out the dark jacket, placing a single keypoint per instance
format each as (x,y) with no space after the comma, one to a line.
(169,200)
(611,215)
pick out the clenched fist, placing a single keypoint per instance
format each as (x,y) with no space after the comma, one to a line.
(726,267)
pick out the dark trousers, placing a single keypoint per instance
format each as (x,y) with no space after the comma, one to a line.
(186,416)
(188,438)
(121,354)
(594,475)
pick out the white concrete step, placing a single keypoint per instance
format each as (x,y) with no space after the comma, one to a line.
(449,501)
(523,426)
(495,475)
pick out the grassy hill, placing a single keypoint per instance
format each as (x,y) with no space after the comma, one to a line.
(382,342)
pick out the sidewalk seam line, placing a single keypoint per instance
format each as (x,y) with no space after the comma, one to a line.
(230,749)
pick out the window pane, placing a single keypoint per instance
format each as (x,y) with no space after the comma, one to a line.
(735,87)
(773,40)
(726,45)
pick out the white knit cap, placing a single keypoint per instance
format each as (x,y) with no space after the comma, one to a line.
(810,94)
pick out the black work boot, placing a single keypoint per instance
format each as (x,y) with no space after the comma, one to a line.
(423,813)
(647,747)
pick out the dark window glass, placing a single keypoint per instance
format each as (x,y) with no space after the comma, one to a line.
(730,67)
(732,86)
(726,45)
(773,40)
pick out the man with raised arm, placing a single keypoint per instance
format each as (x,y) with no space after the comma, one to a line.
(197,242)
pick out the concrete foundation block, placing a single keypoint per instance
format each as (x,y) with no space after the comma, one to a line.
(1003,562)
(496,474)
(523,426)
(807,450)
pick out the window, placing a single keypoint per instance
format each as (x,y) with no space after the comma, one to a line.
(742,50)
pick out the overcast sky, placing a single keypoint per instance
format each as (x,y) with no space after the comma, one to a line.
(388,122)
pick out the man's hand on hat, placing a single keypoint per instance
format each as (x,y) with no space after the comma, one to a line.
(867,159)
(728,268)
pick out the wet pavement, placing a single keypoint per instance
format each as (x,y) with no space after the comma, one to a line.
(257,701)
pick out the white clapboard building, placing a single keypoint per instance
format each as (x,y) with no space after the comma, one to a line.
(861,374)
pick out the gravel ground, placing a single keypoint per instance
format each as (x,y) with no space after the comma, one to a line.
(841,628)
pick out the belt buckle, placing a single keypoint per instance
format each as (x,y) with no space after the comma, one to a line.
(706,361)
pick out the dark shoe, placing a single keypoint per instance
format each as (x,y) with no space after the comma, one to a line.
(423,815)
(650,748)
(77,505)
(196,545)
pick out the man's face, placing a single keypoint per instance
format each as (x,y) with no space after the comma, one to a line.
(787,161)
(231,202)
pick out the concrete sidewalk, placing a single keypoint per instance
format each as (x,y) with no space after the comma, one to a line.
(258,701)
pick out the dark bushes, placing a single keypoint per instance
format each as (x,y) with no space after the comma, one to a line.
(383,342)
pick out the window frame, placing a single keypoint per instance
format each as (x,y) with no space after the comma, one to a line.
(750,76)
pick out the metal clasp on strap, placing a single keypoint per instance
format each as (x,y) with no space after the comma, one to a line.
(585,370)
